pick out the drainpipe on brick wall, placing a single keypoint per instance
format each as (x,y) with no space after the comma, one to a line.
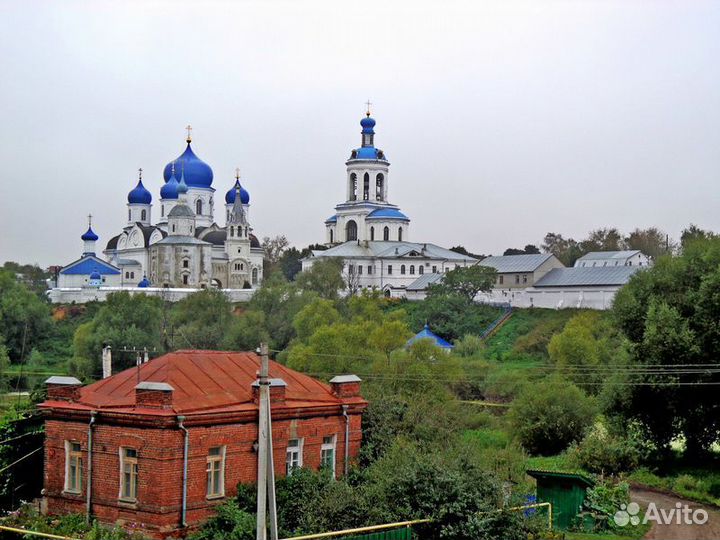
(183,520)
(89,469)
(347,438)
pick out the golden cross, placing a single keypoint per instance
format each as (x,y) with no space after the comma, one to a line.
(173,168)
(189,129)
(368,107)
(237,173)
(140,174)
(89,220)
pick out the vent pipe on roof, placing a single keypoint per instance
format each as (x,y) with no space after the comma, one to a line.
(107,361)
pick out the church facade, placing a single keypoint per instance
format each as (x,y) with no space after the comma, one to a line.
(183,249)
(372,235)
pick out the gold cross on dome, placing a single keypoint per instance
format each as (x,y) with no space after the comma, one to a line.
(140,173)
(237,173)
(89,220)
(189,130)
(368,103)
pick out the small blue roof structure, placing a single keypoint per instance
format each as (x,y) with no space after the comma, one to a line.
(89,235)
(426,333)
(170,189)
(331,219)
(89,264)
(387,213)
(144,283)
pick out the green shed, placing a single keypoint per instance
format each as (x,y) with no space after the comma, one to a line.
(566,492)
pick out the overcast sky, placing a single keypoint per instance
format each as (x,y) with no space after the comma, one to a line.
(502,120)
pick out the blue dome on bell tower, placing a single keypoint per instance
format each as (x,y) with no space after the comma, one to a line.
(139,195)
(197,172)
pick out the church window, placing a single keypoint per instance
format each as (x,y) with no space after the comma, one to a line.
(372,233)
(379,186)
(198,207)
(242,266)
(239,250)
(402,269)
(331,236)
(360,270)
(232,231)
(129,215)
(400,234)
(162,211)
(500,280)
(173,228)
(353,187)
(412,269)
(132,275)
(517,279)
(386,233)
(186,264)
(351,230)
(524,278)
(143,215)
(185,279)
(421,270)
(255,276)
(369,269)
(366,187)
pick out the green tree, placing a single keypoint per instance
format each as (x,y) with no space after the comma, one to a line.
(669,313)
(605,239)
(566,250)
(4,363)
(550,415)
(290,263)
(324,278)
(246,332)
(319,312)
(465,282)
(201,320)
(24,317)
(652,242)
(123,321)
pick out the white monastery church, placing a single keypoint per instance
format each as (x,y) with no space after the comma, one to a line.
(372,235)
(183,251)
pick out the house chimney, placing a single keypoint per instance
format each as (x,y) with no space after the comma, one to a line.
(107,361)
(154,395)
(345,386)
(277,391)
(63,388)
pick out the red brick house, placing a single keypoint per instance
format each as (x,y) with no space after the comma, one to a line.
(127,435)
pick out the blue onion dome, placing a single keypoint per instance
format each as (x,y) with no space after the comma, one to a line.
(95,274)
(368,123)
(170,189)
(197,172)
(139,195)
(230,195)
(89,235)
(144,283)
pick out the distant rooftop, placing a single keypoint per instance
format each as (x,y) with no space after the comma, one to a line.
(602,255)
(582,277)
(516,263)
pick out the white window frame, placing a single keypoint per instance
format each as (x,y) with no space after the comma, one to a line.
(134,475)
(332,446)
(213,460)
(292,463)
(71,454)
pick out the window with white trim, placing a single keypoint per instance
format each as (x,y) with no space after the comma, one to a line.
(327,453)
(216,472)
(73,467)
(128,474)
(293,458)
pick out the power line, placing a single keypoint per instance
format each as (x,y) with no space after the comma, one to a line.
(21,459)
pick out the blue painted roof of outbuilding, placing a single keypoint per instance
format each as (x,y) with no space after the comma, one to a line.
(387,213)
(426,333)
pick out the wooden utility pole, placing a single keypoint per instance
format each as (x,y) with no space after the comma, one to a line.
(266,466)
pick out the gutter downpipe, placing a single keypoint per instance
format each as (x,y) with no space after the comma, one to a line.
(347,438)
(183,519)
(88,503)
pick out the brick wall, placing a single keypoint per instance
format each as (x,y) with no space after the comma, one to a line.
(160,465)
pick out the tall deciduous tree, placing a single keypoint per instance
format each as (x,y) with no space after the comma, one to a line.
(669,313)
(324,278)
(201,320)
(465,282)
(652,242)
(566,250)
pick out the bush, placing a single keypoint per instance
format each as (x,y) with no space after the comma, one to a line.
(605,499)
(229,523)
(469,345)
(601,452)
(550,415)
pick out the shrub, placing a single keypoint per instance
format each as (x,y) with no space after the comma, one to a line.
(469,345)
(601,452)
(550,415)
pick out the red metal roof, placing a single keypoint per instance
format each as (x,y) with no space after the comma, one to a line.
(205,381)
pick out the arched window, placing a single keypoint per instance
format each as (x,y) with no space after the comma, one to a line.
(254,276)
(353,187)
(402,269)
(386,233)
(331,236)
(379,186)
(400,234)
(143,215)
(351,230)
(421,270)
(162,211)
(198,207)
(372,233)
(412,269)
(129,215)
(366,187)
(232,231)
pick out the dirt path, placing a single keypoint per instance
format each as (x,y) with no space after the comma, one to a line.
(673,531)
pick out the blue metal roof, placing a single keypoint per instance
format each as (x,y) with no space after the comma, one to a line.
(139,195)
(89,235)
(144,283)
(85,266)
(230,195)
(367,152)
(197,172)
(331,219)
(387,213)
(170,189)
(426,333)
